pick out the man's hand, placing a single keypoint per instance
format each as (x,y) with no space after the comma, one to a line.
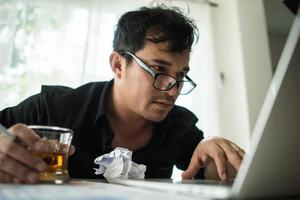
(17,163)
(215,152)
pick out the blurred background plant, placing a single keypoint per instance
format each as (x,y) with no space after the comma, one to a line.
(44,42)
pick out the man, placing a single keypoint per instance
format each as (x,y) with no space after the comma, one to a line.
(135,110)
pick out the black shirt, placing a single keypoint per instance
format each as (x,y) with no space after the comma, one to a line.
(84,111)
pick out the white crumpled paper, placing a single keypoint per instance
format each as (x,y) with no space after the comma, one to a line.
(118,164)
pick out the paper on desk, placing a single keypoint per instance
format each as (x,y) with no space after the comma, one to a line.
(118,164)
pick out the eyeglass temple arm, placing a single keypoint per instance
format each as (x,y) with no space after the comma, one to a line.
(142,64)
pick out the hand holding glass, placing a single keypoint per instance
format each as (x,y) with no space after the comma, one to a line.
(58,141)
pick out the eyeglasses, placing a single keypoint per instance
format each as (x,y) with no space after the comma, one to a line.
(165,82)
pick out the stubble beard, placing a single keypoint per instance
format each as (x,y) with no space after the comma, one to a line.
(155,115)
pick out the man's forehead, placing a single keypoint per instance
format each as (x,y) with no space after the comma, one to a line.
(163,46)
(156,54)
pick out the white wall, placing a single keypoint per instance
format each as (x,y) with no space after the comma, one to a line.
(257,59)
(242,56)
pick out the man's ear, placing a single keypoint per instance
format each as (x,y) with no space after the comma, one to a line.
(116,62)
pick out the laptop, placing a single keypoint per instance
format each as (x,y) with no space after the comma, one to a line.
(272,166)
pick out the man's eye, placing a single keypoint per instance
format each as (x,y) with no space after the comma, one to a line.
(158,68)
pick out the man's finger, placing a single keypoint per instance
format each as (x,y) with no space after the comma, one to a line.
(219,158)
(55,146)
(21,154)
(17,180)
(193,167)
(5,178)
(25,136)
(239,150)
(13,168)
(71,150)
(231,154)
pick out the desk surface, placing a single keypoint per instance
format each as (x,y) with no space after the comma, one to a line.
(81,190)
(85,190)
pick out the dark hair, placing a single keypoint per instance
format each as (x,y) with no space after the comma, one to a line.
(156,24)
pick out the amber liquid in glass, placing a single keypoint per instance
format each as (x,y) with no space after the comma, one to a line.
(56,168)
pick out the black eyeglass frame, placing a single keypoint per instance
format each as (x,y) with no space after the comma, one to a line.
(155,75)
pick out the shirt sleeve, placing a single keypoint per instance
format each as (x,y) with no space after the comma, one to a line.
(193,138)
(28,112)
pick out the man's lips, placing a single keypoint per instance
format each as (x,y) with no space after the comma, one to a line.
(164,104)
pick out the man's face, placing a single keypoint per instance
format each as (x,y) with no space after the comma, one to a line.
(138,92)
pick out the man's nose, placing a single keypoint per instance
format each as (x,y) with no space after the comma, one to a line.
(173,91)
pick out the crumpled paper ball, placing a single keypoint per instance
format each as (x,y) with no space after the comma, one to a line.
(118,164)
